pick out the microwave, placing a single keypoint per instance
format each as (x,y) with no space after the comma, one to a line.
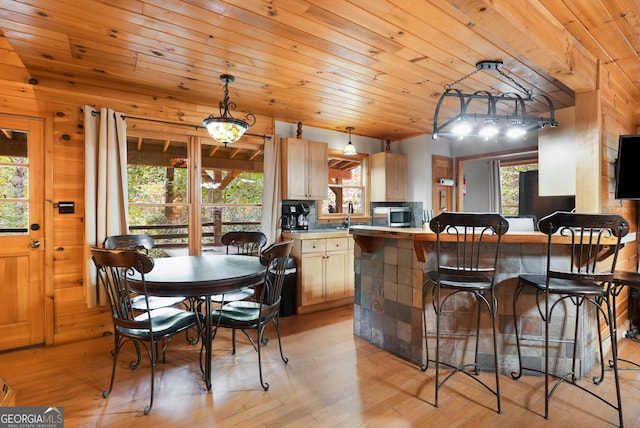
(392,216)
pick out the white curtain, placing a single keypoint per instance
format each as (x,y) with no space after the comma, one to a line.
(105,193)
(495,192)
(271,193)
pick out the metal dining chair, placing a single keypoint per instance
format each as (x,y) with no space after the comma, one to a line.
(247,244)
(150,328)
(242,242)
(588,278)
(140,242)
(256,315)
(467,250)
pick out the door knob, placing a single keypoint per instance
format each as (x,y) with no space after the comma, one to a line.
(35,243)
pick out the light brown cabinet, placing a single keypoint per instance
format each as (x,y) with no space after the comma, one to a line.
(325,272)
(305,174)
(388,177)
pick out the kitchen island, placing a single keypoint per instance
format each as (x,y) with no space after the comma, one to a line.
(390,270)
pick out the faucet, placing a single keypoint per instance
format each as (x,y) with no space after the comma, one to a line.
(347,221)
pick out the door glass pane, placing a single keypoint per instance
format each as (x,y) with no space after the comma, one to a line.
(158,197)
(231,200)
(14,182)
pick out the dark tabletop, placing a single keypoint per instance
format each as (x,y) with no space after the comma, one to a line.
(193,276)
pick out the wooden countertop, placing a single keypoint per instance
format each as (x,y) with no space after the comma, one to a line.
(420,237)
(316,234)
(419,234)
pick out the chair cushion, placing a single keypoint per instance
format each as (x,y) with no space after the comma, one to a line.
(164,321)
(564,286)
(232,297)
(461,281)
(155,302)
(243,313)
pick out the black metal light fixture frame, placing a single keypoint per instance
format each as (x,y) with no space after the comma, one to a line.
(517,120)
(227,129)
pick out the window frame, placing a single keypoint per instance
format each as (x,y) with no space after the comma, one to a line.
(507,157)
(365,216)
(196,143)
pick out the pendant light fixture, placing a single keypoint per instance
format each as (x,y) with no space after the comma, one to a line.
(482,114)
(226,129)
(350,149)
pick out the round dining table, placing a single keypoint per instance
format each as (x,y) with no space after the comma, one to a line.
(201,276)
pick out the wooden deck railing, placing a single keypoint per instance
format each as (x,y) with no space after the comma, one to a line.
(176,235)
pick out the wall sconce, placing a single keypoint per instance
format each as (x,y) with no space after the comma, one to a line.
(350,149)
(227,129)
(478,114)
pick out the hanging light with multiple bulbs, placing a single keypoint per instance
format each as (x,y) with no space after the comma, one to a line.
(350,149)
(226,129)
(478,113)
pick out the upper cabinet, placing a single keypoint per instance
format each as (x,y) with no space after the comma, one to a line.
(388,177)
(305,174)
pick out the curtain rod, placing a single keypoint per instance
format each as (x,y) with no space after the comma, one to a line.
(94,113)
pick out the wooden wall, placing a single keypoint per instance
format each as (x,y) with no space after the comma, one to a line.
(618,115)
(60,102)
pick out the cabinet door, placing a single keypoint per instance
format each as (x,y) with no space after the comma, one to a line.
(378,178)
(294,174)
(305,173)
(312,277)
(317,171)
(336,275)
(400,177)
(388,177)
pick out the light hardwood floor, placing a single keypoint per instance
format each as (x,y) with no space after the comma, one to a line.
(333,379)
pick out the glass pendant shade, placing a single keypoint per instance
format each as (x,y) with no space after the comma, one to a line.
(225,130)
(350,149)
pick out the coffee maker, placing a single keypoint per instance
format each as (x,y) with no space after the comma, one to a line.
(289,219)
(303,213)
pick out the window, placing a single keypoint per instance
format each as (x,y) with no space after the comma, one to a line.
(491,183)
(231,197)
(510,185)
(348,180)
(14,183)
(187,210)
(158,191)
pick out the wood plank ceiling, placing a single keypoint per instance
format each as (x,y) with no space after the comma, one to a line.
(377,65)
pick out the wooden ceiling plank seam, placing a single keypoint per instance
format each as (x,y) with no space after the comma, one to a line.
(462,42)
(578,28)
(335,61)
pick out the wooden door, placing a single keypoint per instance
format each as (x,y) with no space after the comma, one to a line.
(22,304)
(441,195)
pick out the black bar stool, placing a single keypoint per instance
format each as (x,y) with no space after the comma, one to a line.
(585,278)
(467,250)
